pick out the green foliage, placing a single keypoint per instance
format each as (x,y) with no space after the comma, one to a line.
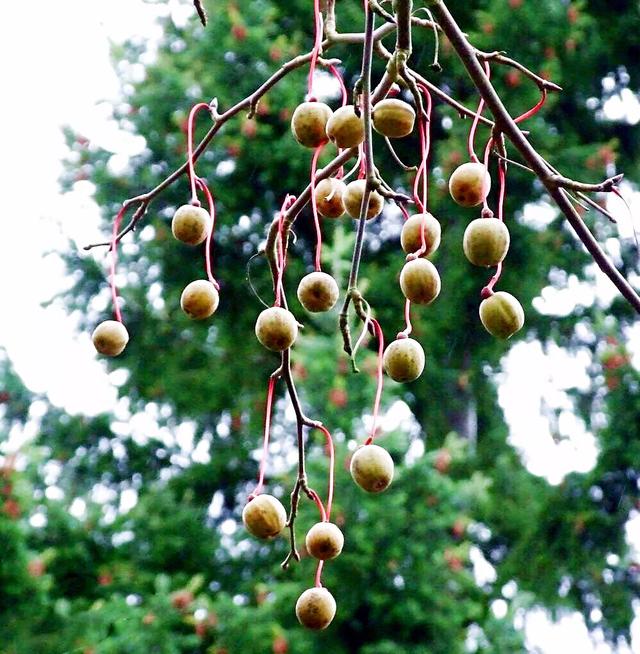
(176,573)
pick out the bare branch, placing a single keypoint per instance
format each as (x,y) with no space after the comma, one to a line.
(202,13)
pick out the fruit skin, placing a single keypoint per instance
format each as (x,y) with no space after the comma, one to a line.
(344,128)
(309,123)
(403,360)
(469,184)
(328,194)
(352,199)
(324,541)
(315,608)
(318,291)
(502,315)
(420,281)
(264,516)
(276,329)
(372,468)
(199,299)
(191,224)
(486,241)
(110,338)
(393,118)
(411,237)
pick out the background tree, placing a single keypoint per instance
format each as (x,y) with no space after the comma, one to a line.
(174,573)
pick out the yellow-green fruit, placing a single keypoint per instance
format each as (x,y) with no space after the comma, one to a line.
(393,118)
(486,241)
(344,128)
(372,468)
(324,541)
(309,123)
(318,291)
(501,314)
(352,200)
(264,516)
(110,338)
(191,224)
(328,195)
(470,184)
(276,329)
(420,281)
(404,360)
(315,608)
(411,234)
(199,299)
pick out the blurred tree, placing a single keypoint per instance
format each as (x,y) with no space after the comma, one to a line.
(120,533)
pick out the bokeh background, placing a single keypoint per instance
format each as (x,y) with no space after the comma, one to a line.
(513,523)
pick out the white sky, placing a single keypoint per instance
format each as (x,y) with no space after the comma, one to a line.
(56,70)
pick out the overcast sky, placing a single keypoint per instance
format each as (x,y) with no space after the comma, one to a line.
(57,70)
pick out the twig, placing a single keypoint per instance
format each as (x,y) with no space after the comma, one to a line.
(500,58)
(506,124)
(202,13)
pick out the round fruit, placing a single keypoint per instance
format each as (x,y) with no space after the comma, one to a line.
(344,128)
(420,281)
(315,608)
(191,224)
(393,118)
(110,338)
(328,195)
(352,199)
(501,314)
(324,541)
(264,516)
(199,299)
(411,234)
(276,329)
(372,468)
(486,241)
(404,360)
(309,123)
(470,184)
(318,291)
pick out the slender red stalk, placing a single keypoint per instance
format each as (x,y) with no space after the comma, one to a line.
(281,260)
(476,120)
(380,378)
(534,110)
(114,261)
(314,207)
(319,574)
(407,319)
(487,291)
(343,88)
(485,161)
(316,47)
(318,501)
(327,434)
(265,445)
(208,245)
(192,176)
(424,125)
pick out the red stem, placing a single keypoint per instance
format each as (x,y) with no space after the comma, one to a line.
(380,379)
(114,261)
(208,249)
(476,120)
(327,434)
(192,176)
(314,208)
(343,88)
(281,256)
(265,445)
(316,47)
(407,319)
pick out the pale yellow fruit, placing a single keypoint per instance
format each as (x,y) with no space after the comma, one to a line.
(276,329)
(199,299)
(324,541)
(502,315)
(318,291)
(403,360)
(411,234)
(372,468)
(110,338)
(486,241)
(420,281)
(344,128)
(470,184)
(315,608)
(393,118)
(264,516)
(328,195)
(352,200)
(191,224)
(309,123)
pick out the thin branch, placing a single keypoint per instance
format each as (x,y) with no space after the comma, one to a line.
(506,124)
(202,13)
(500,58)
(604,187)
